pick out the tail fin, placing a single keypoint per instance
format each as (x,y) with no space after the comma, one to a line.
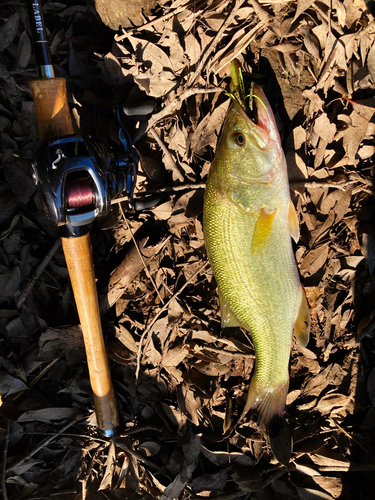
(268,401)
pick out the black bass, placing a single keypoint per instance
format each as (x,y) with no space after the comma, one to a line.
(249,220)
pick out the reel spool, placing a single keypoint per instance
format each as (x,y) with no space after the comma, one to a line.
(79,192)
(78,178)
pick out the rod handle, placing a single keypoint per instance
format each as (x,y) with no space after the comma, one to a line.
(52,108)
(79,259)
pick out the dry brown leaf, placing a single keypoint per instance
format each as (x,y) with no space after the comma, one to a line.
(282,445)
(330,401)
(311,42)
(371,62)
(177,139)
(24,51)
(173,357)
(224,458)
(156,85)
(297,169)
(314,260)
(49,415)
(110,465)
(354,10)
(288,48)
(188,403)
(325,457)
(56,342)
(325,128)
(151,354)
(191,453)
(177,58)
(322,231)
(297,138)
(10,385)
(364,107)
(175,311)
(210,482)
(126,338)
(176,417)
(164,211)
(332,485)
(150,448)
(8,31)
(321,33)
(354,135)
(223,57)
(302,6)
(208,129)
(183,362)
(315,102)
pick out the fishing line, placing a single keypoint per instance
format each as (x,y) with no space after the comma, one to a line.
(78,191)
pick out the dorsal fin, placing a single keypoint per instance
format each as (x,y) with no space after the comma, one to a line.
(293,222)
(303,322)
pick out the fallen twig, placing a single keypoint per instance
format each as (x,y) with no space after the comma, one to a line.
(84,480)
(44,443)
(172,108)
(161,310)
(230,353)
(327,183)
(140,254)
(137,455)
(166,151)
(38,272)
(294,184)
(125,273)
(166,190)
(215,42)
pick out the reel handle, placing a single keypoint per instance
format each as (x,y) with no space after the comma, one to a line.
(79,259)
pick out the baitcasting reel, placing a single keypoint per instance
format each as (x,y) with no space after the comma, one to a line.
(78,177)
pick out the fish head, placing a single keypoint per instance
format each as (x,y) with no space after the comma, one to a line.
(250,148)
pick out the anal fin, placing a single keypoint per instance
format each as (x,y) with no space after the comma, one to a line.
(228,318)
(303,322)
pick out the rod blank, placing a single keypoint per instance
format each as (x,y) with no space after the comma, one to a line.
(40,42)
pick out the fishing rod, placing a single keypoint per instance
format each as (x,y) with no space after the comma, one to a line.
(77,178)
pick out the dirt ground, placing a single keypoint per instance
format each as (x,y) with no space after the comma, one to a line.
(181,382)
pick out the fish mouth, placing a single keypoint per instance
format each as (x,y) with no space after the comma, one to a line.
(262,139)
(250,98)
(259,131)
(257,110)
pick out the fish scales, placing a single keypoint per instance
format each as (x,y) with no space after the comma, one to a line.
(257,299)
(248,222)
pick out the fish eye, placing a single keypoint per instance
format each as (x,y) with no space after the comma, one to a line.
(239,139)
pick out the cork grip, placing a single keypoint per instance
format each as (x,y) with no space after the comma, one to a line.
(51,106)
(78,255)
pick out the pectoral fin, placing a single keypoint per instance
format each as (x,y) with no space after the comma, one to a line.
(293,222)
(262,230)
(302,323)
(228,318)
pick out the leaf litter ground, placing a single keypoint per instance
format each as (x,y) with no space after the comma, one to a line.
(180,382)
